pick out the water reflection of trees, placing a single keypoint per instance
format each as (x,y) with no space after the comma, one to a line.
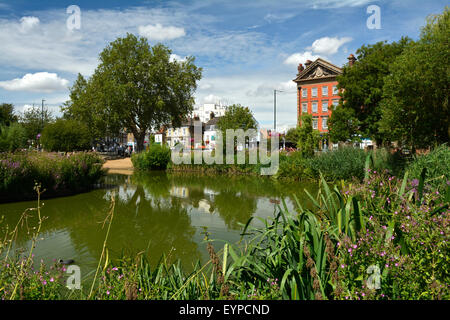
(152,211)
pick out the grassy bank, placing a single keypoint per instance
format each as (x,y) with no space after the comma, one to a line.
(57,174)
(384,238)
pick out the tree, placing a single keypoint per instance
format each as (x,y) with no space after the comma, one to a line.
(34,121)
(7,115)
(363,85)
(66,135)
(308,138)
(137,87)
(85,105)
(415,107)
(236,117)
(343,125)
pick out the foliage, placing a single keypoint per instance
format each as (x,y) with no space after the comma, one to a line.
(157,157)
(7,116)
(363,83)
(13,137)
(137,87)
(237,117)
(58,174)
(34,120)
(341,164)
(437,165)
(308,138)
(415,107)
(294,166)
(66,135)
(343,125)
(292,136)
(320,253)
(404,235)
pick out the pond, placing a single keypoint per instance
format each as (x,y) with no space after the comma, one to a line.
(156,213)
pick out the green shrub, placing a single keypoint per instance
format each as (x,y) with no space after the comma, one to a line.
(66,135)
(56,173)
(294,167)
(344,163)
(437,163)
(13,137)
(157,157)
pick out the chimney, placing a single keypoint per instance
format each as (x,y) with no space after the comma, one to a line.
(300,68)
(351,60)
(307,63)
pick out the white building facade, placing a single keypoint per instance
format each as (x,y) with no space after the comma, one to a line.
(208,111)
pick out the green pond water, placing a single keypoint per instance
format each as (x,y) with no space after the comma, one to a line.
(157,213)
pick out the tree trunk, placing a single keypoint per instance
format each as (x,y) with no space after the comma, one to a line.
(140,142)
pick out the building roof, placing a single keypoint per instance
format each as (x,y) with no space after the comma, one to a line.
(318,70)
(213,121)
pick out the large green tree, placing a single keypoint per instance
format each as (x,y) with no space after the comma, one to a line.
(87,105)
(363,86)
(415,108)
(137,87)
(237,117)
(343,125)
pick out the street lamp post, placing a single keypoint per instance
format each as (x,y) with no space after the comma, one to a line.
(42,115)
(275,109)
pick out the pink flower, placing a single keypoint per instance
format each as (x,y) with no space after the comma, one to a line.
(51,279)
(107,292)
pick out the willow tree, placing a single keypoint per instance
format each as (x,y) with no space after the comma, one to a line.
(137,87)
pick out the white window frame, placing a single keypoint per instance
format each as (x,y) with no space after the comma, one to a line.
(312,92)
(304,93)
(335,90)
(326,123)
(315,123)
(324,110)
(325,93)
(304,108)
(316,109)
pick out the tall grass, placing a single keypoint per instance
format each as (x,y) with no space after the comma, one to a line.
(396,225)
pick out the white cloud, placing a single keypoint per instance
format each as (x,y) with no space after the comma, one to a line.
(205,85)
(328,46)
(281,17)
(28,23)
(296,58)
(159,33)
(174,57)
(37,82)
(211,99)
(333,4)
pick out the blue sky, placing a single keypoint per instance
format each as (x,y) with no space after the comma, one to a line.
(246,48)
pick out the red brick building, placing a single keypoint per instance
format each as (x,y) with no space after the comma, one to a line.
(317,92)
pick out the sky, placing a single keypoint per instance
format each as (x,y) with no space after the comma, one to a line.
(245,48)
